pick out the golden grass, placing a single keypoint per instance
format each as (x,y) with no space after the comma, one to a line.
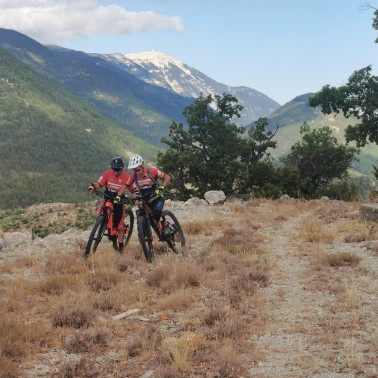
(202,314)
(313,231)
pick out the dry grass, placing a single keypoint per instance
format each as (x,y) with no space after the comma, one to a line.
(313,231)
(285,270)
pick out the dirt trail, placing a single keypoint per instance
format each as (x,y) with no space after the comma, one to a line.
(309,331)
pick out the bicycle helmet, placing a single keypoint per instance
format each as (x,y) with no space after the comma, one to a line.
(135,161)
(117,163)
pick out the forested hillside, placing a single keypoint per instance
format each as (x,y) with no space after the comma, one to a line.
(291,116)
(51,143)
(138,107)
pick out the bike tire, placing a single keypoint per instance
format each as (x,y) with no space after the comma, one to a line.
(129,225)
(96,235)
(144,240)
(176,238)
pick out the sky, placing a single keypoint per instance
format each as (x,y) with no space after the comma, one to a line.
(282,48)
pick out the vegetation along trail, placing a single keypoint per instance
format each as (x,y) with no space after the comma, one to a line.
(266,288)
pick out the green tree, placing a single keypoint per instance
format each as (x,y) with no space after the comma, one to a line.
(257,168)
(358,98)
(206,155)
(319,159)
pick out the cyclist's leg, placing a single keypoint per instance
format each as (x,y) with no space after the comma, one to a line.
(121,225)
(157,206)
(98,211)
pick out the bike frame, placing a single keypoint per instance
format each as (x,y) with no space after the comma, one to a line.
(104,225)
(143,210)
(107,210)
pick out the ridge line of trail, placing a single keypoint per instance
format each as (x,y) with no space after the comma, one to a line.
(288,303)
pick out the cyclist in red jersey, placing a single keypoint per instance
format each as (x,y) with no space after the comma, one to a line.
(145,181)
(114,180)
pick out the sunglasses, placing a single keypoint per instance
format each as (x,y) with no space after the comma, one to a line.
(117,169)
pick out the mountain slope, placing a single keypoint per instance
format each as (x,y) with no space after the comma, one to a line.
(291,116)
(145,110)
(51,143)
(165,71)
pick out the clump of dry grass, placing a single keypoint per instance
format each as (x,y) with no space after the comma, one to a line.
(78,368)
(312,230)
(195,227)
(64,263)
(56,285)
(180,350)
(8,368)
(180,299)
(176,275)
(144,342)
(338,259)
(360,231)
(17,337)
(104,280)
(343,259)
(85,341)
(76,313)
(230,360)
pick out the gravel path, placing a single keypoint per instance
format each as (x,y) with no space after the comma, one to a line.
(311,331)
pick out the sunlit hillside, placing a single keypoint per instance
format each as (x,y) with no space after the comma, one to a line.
(292,115)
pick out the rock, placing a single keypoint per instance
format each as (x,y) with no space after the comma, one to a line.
(369,211)
(214,197)
(195,201)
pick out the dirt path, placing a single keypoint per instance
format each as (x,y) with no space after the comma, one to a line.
(311,331)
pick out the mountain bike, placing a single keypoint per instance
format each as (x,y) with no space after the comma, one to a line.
(145,221)
(104,225)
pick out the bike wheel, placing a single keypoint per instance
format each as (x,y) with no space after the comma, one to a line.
(175,239)
(145,238)
(96,235)
(129,225)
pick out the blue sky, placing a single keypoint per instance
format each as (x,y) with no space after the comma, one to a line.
(282,48)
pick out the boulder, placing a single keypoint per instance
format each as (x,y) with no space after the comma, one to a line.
(214,197)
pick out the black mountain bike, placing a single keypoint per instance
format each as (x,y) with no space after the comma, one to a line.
(104,225)
(174,238)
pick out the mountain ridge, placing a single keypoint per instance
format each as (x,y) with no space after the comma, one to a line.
(51,142)
(162,69)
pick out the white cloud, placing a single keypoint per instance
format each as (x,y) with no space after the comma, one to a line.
(54,21)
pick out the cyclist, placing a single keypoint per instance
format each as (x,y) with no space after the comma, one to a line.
(114,180)
(145,181)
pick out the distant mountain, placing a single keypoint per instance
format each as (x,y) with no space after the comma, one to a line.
(165,71)
(52,144)
(144,109)
(295,111)
(142,93)
(291,116)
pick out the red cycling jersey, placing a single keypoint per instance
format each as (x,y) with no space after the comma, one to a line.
(111,181)
(113,184)
(144,180)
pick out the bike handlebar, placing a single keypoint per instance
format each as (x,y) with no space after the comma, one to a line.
(124,199)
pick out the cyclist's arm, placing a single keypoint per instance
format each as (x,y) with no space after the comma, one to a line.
(166,179)
(95,185)
(123,190)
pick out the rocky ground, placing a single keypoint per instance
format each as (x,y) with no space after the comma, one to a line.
(312,313)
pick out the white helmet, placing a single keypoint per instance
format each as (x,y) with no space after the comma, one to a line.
(135,161)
